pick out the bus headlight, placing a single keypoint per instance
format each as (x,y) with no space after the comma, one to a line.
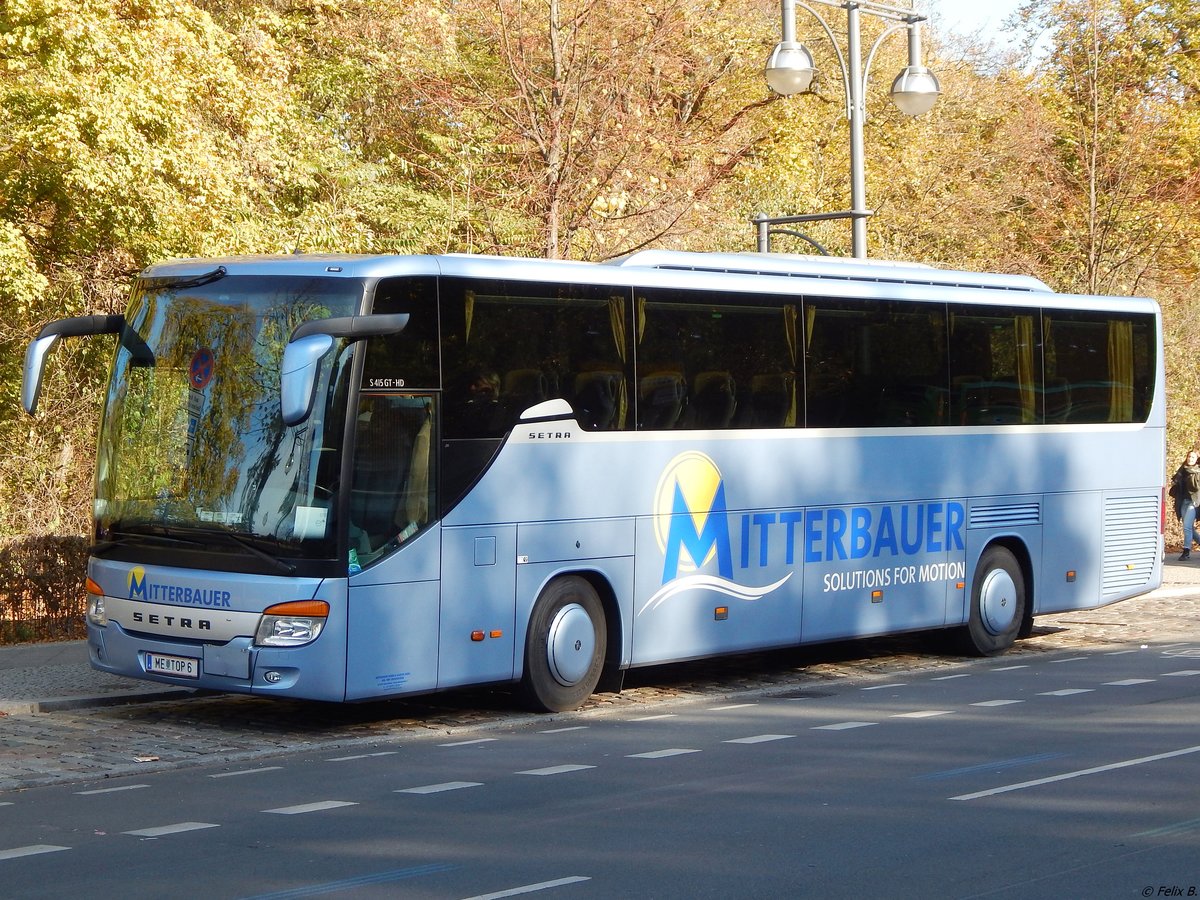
(291,624)
(96,614)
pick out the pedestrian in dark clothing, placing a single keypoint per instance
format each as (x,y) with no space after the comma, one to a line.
(1185,490)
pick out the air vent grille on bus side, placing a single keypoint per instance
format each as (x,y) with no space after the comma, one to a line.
(1010,515)
(1130,543)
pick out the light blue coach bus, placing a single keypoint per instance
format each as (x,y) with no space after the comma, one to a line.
(347,478)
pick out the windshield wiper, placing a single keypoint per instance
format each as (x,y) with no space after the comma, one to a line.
(239,541)
(135,536)
(192,281)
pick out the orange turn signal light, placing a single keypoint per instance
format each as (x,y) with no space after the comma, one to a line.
(92,588)
(298,608)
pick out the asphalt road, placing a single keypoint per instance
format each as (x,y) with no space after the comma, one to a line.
(1063,773)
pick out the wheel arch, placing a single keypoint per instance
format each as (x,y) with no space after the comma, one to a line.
(1016,545)
(614,623)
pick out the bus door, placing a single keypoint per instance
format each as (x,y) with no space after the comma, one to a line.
(394,560)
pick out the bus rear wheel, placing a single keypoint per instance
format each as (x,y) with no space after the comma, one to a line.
(564,647)
(997,604)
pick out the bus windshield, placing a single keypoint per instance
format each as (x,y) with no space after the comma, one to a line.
(193,450)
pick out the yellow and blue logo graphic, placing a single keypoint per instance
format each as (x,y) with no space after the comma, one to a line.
(691,524)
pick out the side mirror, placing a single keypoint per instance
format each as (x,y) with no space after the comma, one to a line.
(298,376)
(308,345)
(35,366)
(76,326)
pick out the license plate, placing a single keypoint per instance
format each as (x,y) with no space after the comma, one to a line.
(179,666)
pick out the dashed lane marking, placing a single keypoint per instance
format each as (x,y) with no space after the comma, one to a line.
(32,850)
(654,718)
(1128,682)
(997,702)
(1009,668)
(1066,692)
(731,706)
(177,828)
(468,743)
(922,714)
(950,677)
(759,739)
(362,756)
(440,788)
(531,888)
(660,754)
(564,730)
(1068,659)
(555,770)
(880,687)
(842,726)
(241,772)
(1183,673)
(111,790)
(319,806)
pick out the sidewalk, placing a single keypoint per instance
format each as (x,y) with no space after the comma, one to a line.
(56,676)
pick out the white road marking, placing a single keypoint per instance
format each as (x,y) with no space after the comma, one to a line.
(555,770)
(439,788)
(760,739)
(660,754)
(319,806)
(562,730)
(997,702)
(949,677)
(361,756)
(1009,668)
(652,718)
(245,772)
(32,850)
(923,714)
(1066,692)
(177,828)
(731,706)
(842,726)
(1128,682)
(1184,673)
(1068,659)
(111,790)
(531,888)
(880,687)
(1120,652)
(467,743)
(1092,771)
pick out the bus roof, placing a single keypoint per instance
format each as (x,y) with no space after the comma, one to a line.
(840,269)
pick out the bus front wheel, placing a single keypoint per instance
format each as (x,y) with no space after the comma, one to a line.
(997,604)
(564,647)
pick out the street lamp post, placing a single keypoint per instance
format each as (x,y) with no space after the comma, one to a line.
(790,70)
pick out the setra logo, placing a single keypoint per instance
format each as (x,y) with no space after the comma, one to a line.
(691,524)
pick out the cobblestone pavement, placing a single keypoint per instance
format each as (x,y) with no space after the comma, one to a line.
(100,742)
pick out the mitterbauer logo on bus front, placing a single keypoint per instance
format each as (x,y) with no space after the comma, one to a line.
(879,544)
(142,588)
